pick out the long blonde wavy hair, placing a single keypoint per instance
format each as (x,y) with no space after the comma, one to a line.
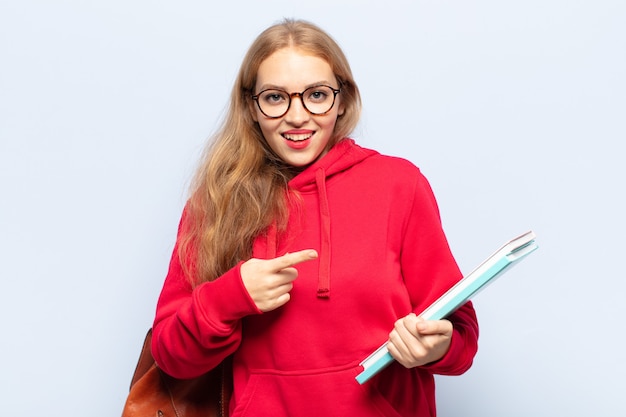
(240,187)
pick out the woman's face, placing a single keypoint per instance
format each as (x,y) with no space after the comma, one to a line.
(299,138)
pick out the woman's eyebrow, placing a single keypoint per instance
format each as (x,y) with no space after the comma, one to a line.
(268,86)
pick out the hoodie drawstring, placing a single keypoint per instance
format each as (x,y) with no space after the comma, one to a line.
(323,285)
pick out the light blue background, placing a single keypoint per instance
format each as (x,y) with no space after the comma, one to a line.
(515,111)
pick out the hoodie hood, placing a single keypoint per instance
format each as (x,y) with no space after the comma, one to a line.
(344,155)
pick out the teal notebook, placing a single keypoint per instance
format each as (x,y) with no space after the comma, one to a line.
(509,254)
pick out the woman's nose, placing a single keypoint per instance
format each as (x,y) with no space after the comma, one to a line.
(297,113)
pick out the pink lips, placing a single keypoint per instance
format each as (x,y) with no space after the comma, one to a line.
(299,144)
(298,138)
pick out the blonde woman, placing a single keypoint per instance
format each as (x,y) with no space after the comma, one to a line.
(300,252)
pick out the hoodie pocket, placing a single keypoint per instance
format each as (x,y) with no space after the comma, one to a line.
(320,392)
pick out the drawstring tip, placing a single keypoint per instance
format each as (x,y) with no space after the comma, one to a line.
(323,293)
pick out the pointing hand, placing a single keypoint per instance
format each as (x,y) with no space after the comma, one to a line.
(269,281)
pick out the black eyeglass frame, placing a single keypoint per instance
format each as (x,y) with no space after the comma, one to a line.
(335,91)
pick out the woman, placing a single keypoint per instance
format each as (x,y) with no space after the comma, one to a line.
(300,252)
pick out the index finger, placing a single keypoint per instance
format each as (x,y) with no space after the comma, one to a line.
(426,327)
(291,259)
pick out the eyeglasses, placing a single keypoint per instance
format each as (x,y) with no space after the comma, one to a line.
(317,100)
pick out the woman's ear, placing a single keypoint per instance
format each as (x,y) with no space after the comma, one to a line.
(341,109)
(252,110)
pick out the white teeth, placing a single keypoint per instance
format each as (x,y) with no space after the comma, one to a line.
(297,137)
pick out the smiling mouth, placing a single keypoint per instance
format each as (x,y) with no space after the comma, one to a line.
(297,137)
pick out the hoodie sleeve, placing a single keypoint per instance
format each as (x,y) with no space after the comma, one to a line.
(196,328)
(429,270)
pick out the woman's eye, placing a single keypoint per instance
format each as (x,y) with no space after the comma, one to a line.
(318,95)
(274,97)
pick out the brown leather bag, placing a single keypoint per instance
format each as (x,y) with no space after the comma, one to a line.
(153,393)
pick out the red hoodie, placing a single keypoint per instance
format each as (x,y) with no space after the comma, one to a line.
(382,254)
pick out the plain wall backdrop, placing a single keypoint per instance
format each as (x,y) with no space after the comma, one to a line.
(515,111)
